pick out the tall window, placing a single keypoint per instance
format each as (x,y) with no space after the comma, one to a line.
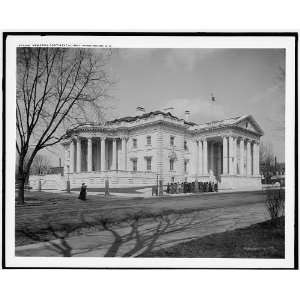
(134,143)
(185,166)
(148,140)
(185,145)
(148,161)
(134,165)
(172,138)
(171,164)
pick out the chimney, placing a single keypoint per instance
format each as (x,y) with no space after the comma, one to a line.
(187,115)
(140,110)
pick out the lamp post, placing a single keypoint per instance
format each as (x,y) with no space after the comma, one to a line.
(40,181)
(157,184)
(68,180)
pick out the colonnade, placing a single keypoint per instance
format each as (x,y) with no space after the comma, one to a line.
(230,155)
(75,163)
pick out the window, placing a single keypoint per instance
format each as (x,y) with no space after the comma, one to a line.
(185,166)
(185,145)
(148,160)
(134,143)
(148,140)
(172,138)
(171,164)
(134,165)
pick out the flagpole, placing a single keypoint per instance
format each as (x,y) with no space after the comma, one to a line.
(213,99)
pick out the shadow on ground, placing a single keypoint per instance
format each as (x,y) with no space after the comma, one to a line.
(131,238)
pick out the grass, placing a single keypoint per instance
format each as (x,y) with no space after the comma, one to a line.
(262,240)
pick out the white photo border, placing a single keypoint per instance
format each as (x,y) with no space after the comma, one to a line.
(288,41)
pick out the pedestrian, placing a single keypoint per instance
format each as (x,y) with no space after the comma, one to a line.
(168,188)
(82,194)
(216,187)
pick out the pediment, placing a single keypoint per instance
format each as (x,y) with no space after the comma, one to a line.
(250,124)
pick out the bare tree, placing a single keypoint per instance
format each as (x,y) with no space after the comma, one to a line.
(40,164)
(56,89)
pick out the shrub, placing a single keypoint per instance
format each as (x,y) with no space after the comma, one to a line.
(275,203)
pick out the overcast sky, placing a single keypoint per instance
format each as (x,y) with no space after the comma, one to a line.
(243,81)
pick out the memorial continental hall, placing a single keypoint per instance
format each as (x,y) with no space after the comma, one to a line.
(138,151)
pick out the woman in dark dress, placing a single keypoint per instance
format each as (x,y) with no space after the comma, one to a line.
(82,194)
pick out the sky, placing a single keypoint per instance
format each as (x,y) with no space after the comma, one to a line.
(243,81)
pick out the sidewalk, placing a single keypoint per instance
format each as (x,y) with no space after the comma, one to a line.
(147,192)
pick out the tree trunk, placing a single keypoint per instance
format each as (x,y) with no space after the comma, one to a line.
(21,186)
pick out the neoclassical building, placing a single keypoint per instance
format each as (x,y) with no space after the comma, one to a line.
(139,150)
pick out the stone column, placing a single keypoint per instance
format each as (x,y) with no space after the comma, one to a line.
(103,165)
(225,155)
(89,155)
(124,154)
(114,154)
(248,158)
(72,157)
(205,172)
(255,158)
(200,158)
(241,157)
(211,157)
(78,159)
(230,155)
(234,155)
(219,148)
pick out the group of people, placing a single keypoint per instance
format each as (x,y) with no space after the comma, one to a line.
(191,187)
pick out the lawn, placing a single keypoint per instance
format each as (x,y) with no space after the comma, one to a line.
(262,240)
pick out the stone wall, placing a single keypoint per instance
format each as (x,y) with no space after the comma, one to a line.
(94,179)
(240,182)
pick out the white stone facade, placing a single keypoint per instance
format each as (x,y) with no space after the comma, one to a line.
(139,150)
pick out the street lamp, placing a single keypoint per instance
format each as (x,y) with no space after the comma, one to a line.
(68,180)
